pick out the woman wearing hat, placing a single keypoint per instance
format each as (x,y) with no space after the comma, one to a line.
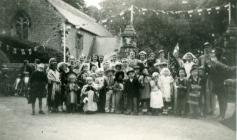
(161,57)
(54,86)
(63,70)
(72,89)
(142,58)
(189,62)
(38,82)
(94,62)
(194,93)
(101,84)
(118,91)
(132,61)
(145,90)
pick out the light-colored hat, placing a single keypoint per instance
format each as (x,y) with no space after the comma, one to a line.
(52,60)
(165,70)
(110,70)
(142,52)
(187,56)
(89,78)
(41,65)
(206,45)
(99,70)
(156,64)
(154,74)
(160,51)
(160,64)
(124,60)
(118,64)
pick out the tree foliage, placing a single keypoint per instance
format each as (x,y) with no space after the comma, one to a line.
(79,4)
(163,31)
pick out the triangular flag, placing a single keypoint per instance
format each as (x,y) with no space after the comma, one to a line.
(8,47)
(30,51)
(176,49)
(14,50)
(23,52)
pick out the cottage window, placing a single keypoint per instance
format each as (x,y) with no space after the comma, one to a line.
(79,44)
(22,25)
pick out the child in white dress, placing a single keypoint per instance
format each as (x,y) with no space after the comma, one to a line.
(166,84)
(89,96)
(156,99)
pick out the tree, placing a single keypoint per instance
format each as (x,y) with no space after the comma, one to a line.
(164,31)
(79,4)
(93,12)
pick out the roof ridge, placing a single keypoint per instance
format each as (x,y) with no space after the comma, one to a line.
(72,9)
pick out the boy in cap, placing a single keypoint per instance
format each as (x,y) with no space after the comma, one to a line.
(131,87)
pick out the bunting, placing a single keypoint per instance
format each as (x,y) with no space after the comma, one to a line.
(143,11)
(14,50)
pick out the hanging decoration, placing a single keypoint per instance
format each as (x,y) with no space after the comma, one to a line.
(23,52)
(14,51)
(7,47)
(35,48)
(190,13)
(29,51)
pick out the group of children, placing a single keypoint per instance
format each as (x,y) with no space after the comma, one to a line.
(125,86)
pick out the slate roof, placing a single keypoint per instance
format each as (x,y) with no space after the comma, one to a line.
(78,18)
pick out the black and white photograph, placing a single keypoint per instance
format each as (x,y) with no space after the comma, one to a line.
(118,69)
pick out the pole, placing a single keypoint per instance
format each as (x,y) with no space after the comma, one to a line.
(64,42)
(229,13)
(132,11)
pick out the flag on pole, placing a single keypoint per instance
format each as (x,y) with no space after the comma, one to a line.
(173,62)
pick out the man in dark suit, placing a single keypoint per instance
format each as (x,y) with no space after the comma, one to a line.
(131,90)
(218,73)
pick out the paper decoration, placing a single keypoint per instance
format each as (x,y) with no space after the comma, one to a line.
(30,51)
(209,11)
(144,11)
(14,51)
(8,47)
(35,48)
(217,9)
(122,13)
(23,52)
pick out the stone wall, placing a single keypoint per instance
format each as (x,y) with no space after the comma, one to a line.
(45,20)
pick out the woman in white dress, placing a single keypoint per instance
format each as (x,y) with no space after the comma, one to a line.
(156,100)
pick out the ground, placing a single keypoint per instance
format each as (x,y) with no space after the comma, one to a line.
(17,123)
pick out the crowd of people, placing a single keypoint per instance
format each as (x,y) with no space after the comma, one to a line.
(144,84)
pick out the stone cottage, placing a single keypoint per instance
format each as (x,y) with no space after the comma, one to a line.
(42,22)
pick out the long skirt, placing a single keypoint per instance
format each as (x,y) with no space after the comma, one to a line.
(71,97)
(156,101)
(53,98)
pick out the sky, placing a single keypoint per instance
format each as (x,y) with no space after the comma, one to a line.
(93,3)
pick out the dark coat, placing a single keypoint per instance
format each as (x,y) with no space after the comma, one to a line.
(131,88)
(218,72)
(38,81)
